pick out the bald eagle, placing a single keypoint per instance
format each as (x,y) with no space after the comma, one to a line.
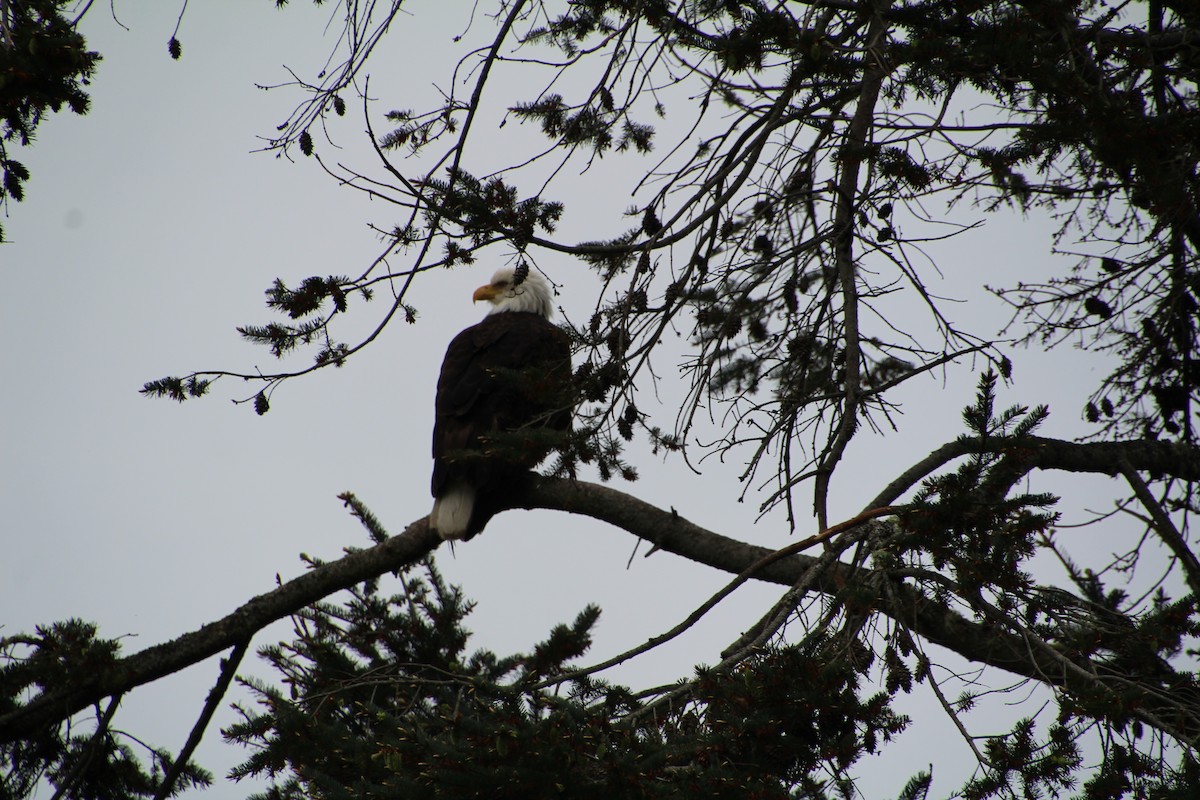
(503,398)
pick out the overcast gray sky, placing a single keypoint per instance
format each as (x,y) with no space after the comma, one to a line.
(150,231)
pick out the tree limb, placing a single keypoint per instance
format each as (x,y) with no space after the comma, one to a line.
(973,641)
(53,707)
(980,642)
(852,156)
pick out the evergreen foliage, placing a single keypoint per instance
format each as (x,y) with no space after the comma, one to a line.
(380,697)
(44,65)
(93,762)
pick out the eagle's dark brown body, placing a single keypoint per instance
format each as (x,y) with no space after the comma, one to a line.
(504,382)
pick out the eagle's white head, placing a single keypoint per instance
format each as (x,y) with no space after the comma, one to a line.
(506,293)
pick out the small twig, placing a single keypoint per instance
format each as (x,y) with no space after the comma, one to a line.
(937,691)
(179,21)
(78,17)
(85,757)
(229,667)
(1162,523)
(728,589)
(773,620)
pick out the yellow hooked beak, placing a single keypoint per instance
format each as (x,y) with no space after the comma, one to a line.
(488,293)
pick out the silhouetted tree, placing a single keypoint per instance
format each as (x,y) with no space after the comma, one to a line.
(789,160)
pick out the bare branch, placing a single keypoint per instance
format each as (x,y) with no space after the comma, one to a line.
(1167,530)
(229,668)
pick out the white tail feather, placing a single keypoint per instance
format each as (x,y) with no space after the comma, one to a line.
(452,511)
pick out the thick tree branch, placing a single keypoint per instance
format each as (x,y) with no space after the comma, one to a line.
(980,642)
(53,707)
(974,641)
(1156,457)
(1102,458)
